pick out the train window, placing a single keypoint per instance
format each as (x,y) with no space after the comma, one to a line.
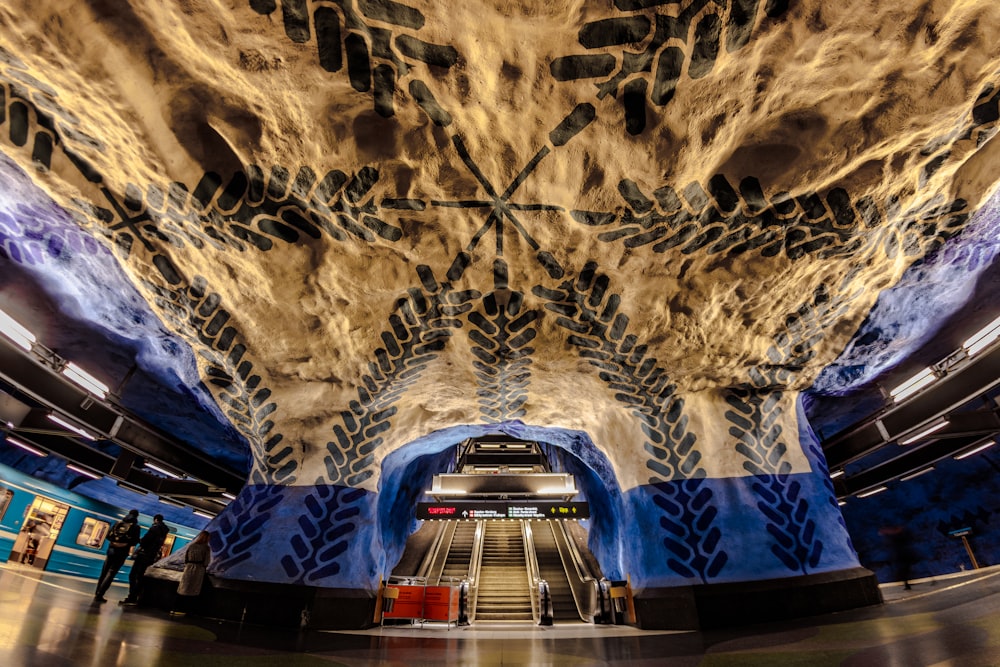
(168,546)
(93,532)
(47,515)
(5,496)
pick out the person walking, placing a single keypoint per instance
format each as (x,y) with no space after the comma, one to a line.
(122,536)
(196,561)
(147,553)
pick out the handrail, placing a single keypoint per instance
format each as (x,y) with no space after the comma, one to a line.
(432,565)
(581,584)
(474,566)
(534,576)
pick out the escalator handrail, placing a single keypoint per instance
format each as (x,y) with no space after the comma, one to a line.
(474,566)
(534,576)
(582,571)
(427,564)
(580,581)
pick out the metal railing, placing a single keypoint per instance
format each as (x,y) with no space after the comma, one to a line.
(534,576)
(583,586)
(474,566)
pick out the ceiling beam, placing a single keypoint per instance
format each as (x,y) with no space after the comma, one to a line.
(959,386)
(33,382)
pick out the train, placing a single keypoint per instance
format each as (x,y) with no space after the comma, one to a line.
(45,527)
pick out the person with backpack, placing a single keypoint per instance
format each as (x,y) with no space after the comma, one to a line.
(147,553)
(123,535)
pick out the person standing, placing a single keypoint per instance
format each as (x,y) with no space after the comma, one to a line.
(196,561)
(147,553)
(122,536)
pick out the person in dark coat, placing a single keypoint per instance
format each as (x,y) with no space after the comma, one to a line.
(147,553)
(122,536)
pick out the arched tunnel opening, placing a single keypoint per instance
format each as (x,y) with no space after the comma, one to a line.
(479,551)
(408,471)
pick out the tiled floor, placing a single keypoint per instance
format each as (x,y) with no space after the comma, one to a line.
(50,620)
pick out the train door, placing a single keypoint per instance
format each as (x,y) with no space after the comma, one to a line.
(39,530)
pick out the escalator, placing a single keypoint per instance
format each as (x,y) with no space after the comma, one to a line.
(504,592)
(459,560)
(501,569)
(550,568)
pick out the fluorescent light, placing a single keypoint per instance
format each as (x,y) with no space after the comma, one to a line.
(162,471)
(873,492)
(841,502)
(914,384)
(975,451)
(229,496)
(72,427)
(16,332)
(86,380)
(914,475)
(936,426)
(837,473)
(25,446)
(82,471)
(204,515)
(982,338)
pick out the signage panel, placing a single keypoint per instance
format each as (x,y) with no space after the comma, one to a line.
(507,509)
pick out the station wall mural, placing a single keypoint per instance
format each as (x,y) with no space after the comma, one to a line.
(353,234)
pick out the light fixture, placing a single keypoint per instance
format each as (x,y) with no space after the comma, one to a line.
(913,385)
(982,338)
(984,446)
(229,496)
(204,515)
(879,489)
(25,446)
(841,502)
(837,473)
(914,475)
(72,427)
(162,471)
(82,471)
(85,380)
(924,432)
(17,333)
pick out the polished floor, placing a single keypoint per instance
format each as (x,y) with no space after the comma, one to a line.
(50,620)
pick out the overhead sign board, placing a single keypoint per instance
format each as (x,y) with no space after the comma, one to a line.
(503,509)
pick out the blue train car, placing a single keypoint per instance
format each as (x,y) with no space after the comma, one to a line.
(45,527)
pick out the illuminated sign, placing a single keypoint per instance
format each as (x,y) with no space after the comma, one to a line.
(491,509)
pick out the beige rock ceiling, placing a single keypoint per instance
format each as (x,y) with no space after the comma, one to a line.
(867,102)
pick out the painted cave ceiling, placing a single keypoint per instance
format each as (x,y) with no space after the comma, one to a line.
(308,226)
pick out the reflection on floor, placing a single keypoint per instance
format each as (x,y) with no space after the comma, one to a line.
(49,620)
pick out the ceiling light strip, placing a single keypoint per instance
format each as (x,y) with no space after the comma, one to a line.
(978,449)
(914,475)
(14,331)
(86,380)
(82,471)
(927,430)
(71,427)
(982,338)
(873,492)
(914,384)
(25,446)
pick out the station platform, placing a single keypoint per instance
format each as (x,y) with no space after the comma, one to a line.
(50,620)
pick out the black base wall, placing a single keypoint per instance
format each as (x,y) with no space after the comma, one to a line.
(675,608)
(724,605)
(273,605)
